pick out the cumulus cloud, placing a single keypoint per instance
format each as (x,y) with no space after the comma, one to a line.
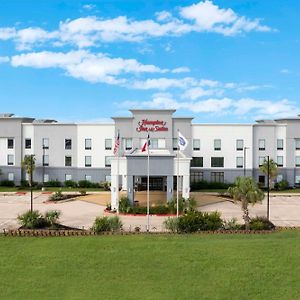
(203,16)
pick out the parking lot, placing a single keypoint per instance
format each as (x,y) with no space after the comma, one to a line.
(284,211)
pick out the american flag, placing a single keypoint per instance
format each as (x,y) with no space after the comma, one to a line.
(117,144)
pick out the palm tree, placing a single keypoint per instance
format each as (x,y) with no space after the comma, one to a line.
(246,191)
(273,170)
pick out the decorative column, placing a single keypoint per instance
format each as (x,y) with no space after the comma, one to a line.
(130,191)
(169,188)
(114,191)
(186,186)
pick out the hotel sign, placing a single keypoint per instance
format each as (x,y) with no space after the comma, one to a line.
(149,125)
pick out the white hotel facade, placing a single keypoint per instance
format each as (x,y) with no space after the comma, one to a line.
(215,152)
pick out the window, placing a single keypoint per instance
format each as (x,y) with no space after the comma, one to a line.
(279,144)
(297,142)
(108,178)
(46,177)
(27,143)
(11,176)
(88,161)
(217,162)
(161,143)
(10,160)
(68,161)
(175,144)
(88,144)
(45,160)
(261,160)
(279,177)
(68,144)
(261,144)
(261,180)
(197,162)
(68,177)
(45,143)
(108,161)
(239,162)
(239,145)
(297,179)
(108,144)
(10,143)
(127,144)
(217,145)
(280,161)
(196,177)
(196,144)
(217,176)
(297,161)
(153,143)
(88,177)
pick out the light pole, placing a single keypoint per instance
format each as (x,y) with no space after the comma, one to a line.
(245,148)
(268,185)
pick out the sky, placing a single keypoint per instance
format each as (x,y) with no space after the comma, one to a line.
(84,61)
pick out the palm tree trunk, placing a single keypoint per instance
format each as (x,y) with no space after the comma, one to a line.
(246,215)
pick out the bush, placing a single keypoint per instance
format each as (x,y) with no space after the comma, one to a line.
(281,185)
(261,223)
(53,183)
(84,184)
(201,185)
(7,183)
(82,192)
(124,204)
(195,221)
(52,217)
(232,224)
(32,220)
(171,224)
(57,196)
(104,224)
(70,184)
(172,205)
(24,183)
(105,185)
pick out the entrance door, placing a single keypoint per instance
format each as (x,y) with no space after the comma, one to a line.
(155,183)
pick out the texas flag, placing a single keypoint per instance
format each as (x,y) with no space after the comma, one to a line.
(147,144)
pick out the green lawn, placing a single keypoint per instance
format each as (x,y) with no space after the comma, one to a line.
(152,267)
(51,189)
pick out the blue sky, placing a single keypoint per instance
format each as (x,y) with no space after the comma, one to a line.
(219,61)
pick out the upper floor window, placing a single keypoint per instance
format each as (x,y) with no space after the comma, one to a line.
(68,144)
(297,143)
(88,144)
(27,143)
(239,162)
(45,143)
(280,144)
(45,160)
(175,144)
(197,162)
(297,161)
(127,143)
(155,143)
(217,162)
(88,161)
(239,145)
(10,143)
(261,160)
(196,144)
(262,144)
(280,161)
(108,161)
(10,160)
(217,144)
(68,161)
(108,144)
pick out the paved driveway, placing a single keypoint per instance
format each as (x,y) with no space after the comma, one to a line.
(284,211)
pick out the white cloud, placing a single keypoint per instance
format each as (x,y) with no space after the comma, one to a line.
(89,6)
(4,59)
(92,31)
(198,92)
(181,70)
(85,65)
(285,71)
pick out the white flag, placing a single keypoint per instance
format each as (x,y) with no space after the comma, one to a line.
(182,141)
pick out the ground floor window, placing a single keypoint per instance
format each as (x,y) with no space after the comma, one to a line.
(46,177)
(68,177)
(11,176)
(217,176)
(88,177)
(261,180)
(196,177)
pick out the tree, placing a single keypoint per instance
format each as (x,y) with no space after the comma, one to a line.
(28,164)
(273,170)
(246,191)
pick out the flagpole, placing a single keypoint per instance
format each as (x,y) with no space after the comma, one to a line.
(177,190)
(118,170)
(148,183)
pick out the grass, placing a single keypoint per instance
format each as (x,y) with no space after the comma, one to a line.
(152,267)
(50,189)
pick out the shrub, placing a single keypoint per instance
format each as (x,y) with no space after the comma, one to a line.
(82,192)
(70,184)
(84,184)
(57,196)
(32,220)
(282,185)
(104,224)
(24,183)
(7,183)
(124,204)
(171,224)
(172,205)
(105,185)
(52,217)
(53,183)
(232,224)
(194,221)
(261,223)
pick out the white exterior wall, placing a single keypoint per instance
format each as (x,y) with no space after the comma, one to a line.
(98,133)
(228,133)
